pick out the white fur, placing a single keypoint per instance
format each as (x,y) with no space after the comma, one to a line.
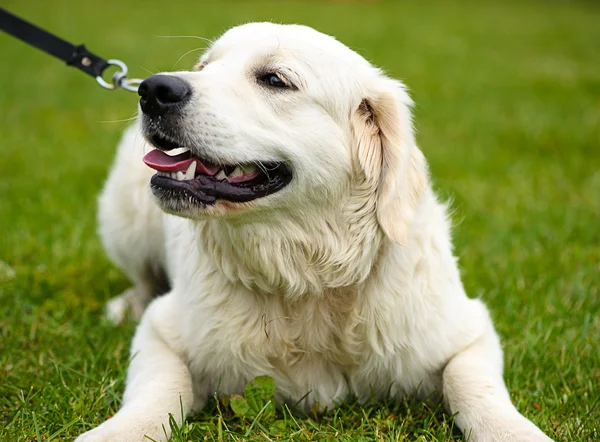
(342,283)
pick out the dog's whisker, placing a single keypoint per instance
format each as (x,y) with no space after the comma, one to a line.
(261,166)
(145,69)
(208,40)
(187,53)
(125,120)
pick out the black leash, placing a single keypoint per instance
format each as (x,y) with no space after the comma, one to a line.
(76,56)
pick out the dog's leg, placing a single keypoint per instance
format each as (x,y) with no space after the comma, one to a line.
(158,381)
(132,302)
(474,389)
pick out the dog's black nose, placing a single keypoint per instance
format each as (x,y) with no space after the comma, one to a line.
(162,93)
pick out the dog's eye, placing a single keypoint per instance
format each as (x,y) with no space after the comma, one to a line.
(200,66)
(273,80)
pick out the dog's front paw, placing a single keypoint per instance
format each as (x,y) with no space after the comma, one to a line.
(125,428)
(95,435)
(509,430)
(101,434)
(115,434)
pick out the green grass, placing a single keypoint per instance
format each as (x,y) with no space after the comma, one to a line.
(508,114)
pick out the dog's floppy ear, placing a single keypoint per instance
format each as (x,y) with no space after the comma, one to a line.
(388,156)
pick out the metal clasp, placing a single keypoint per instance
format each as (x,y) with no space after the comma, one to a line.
(119,78)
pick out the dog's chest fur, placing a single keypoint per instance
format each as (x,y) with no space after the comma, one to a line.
(361,339)
(234,331)
(310,345)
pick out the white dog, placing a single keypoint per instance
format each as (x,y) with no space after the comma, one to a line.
(307,243)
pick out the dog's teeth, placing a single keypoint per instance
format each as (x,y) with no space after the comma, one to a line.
(249,168)
(221,175)
(191,171)
(174,175)
(180,176)
(178,151)
(237,172)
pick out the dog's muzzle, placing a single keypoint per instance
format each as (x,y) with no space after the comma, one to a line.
(189,179)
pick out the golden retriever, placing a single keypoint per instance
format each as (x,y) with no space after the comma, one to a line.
(294,233)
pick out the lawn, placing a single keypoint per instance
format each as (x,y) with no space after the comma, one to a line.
(508,115)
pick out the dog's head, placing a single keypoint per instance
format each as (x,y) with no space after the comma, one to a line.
(282,118)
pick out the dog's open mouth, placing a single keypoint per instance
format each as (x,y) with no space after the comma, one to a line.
(185,176)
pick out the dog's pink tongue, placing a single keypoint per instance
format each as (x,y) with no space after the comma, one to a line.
(158,160)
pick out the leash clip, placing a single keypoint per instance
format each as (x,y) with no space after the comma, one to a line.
(119,78)
(76,56)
